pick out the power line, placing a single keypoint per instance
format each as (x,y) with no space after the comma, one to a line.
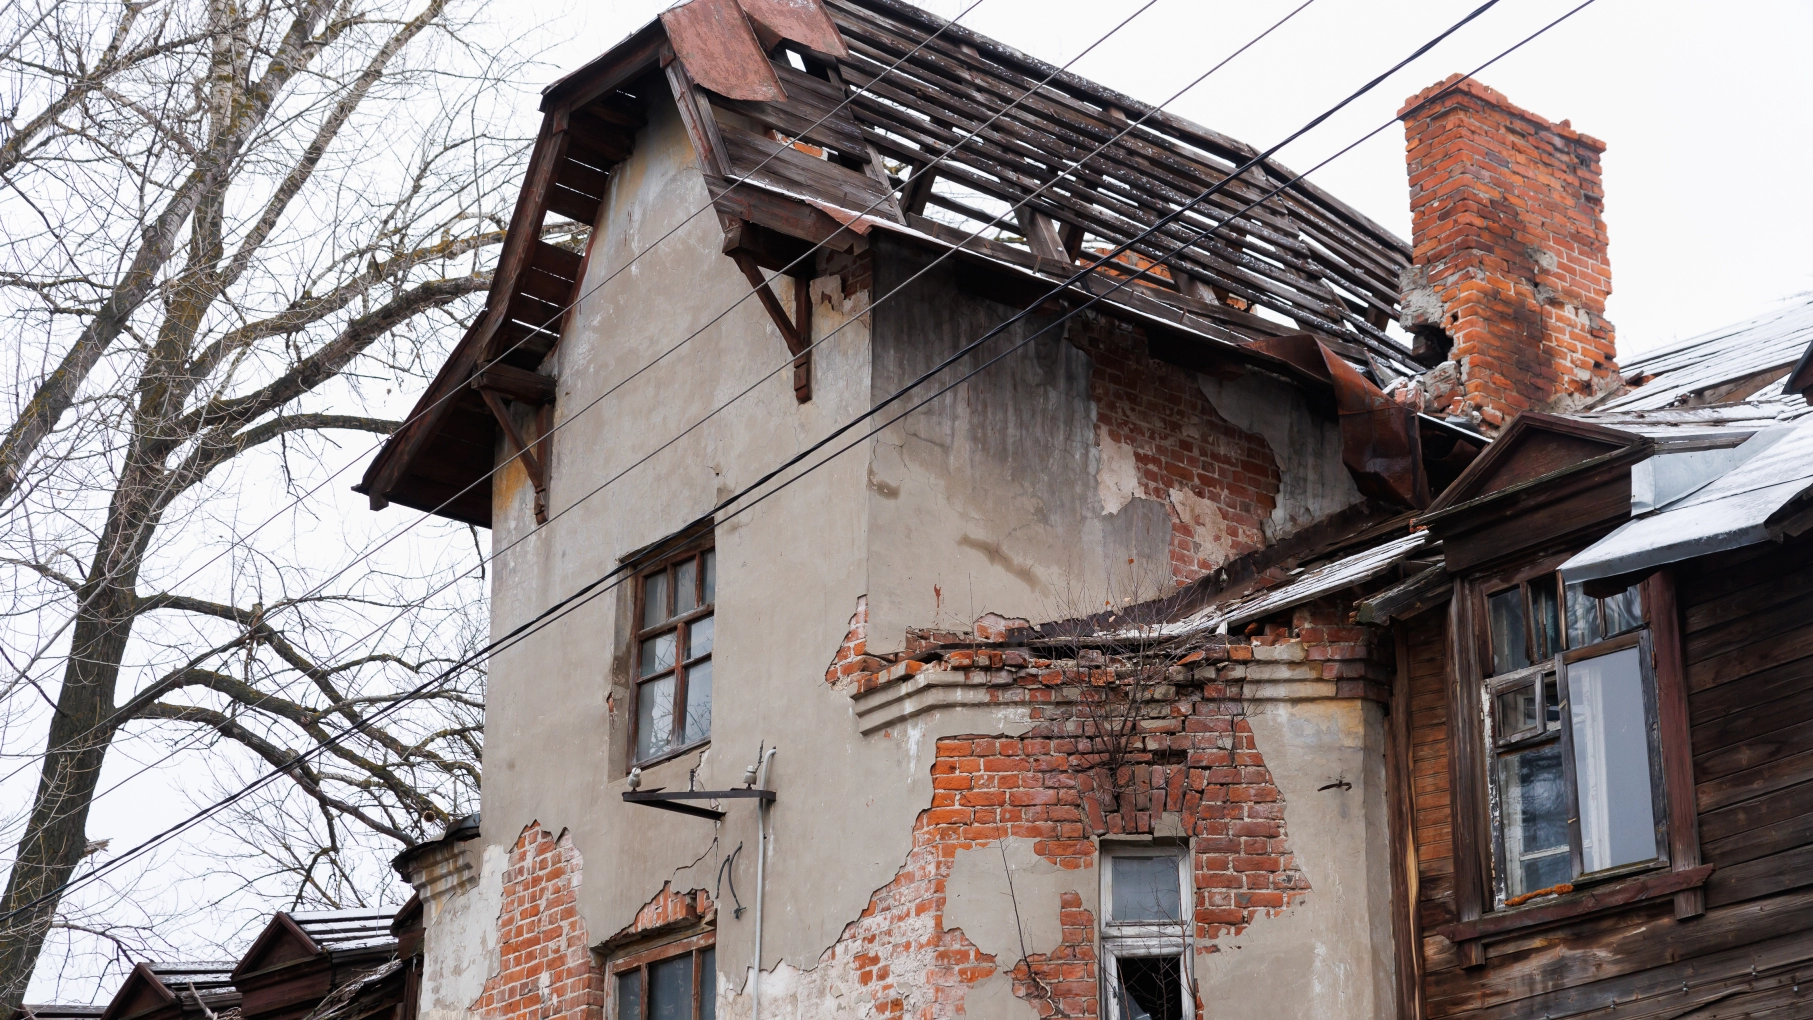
(592,589)
(297,501)
(372,550)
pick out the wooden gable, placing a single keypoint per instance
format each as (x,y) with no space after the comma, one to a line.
(1545,479)
(281,943)
(1533,446)
(141,993)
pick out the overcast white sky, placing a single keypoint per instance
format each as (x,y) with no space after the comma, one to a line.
(1707,110)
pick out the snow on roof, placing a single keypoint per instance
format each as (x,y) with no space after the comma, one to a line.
(1731,511)
(346,929)
(1311,584)
(1725,355)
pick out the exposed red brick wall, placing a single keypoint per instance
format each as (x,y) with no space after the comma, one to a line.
(853,656)
(1183,449)
(1193,759)
(669,909)
(546,969)
(1507,220)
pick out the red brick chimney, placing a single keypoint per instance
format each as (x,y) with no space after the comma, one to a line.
(1510,274)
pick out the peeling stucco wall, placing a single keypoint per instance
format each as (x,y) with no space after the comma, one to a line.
(1313,483)
(999,497)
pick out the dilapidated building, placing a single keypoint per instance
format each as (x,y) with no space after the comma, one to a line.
(1086,592)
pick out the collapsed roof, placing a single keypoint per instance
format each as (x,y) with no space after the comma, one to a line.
(759,83)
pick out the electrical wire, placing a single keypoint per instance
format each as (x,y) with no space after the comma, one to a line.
(44,647)
(592,589)
(373,550)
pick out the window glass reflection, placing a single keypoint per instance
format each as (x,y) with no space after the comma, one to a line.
(670,989)
(1611,760)
(698,702)
(1505,613)
(1532,787)
(654,717)
(1146,889)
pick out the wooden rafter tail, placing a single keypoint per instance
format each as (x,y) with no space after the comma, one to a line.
(793,329)
(500,383)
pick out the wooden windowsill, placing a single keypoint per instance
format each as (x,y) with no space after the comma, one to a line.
(1577,904)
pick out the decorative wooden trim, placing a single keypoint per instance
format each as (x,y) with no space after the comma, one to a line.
(1577,905)
(701,126)
(1675,737)
(1466,775)
(794,330)
(1407,939)
(520,447)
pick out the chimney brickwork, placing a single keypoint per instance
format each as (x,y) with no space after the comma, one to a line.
(1511,274)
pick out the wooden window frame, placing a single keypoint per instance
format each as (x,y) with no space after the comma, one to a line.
(1675,871)
(1136,939)
(680,625)
(695,946)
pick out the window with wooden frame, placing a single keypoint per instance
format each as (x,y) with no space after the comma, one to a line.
(677,981)
(674,603)
(1574,762)
(1146,934)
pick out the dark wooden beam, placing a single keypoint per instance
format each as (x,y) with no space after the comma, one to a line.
(519,447)
(515,384)
(794,330)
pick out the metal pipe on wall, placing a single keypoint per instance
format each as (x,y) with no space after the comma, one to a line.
(761,886)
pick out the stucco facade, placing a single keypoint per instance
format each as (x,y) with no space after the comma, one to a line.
(1035,491)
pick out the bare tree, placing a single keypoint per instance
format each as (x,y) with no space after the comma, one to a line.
(224,225)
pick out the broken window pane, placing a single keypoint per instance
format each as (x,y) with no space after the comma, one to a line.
(698,702)
(1611,760)
(1151,987)
(1545,617)
(1582,617)
(629,995)
(654,599)
(1533,808)
(698,638)
(670,988)
(1505,611)
(1551,700)
(686,587)
(1146,889)
(654,717)
(1623,611)
(708,984)
(1516,710)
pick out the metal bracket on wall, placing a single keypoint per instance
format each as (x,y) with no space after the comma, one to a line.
(675,801)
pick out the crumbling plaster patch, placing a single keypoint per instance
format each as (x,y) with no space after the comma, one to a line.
(1336,944)
(460,951)
(1313,482)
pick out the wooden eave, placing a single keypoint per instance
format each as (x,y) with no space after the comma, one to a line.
(441,460)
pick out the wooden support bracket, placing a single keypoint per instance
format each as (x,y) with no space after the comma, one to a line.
(796,330)
(500,383)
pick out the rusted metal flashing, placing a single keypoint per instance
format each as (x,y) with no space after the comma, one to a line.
(718,45)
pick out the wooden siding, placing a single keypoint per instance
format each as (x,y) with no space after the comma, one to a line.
(1427,644)
(1747,625)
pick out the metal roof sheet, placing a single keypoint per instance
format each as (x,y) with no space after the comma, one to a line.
(335,930)
(1311,584)
(1729,512)
(1684,368)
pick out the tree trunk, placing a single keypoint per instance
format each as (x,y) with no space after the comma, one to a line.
(56,835)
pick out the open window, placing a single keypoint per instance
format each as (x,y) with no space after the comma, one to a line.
(1145,934)
(674,982)
(1574,763)
(673,654)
